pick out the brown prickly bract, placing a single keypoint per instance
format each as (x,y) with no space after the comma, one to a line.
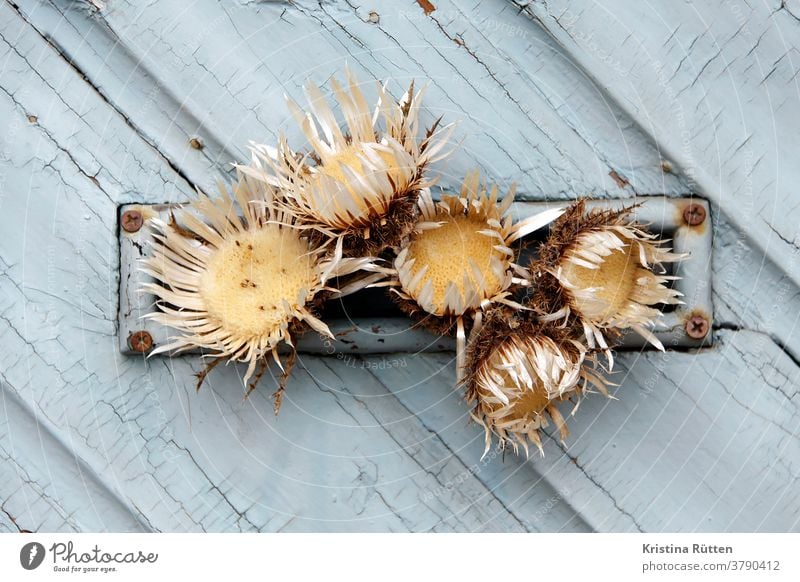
(547,295)
(386,232)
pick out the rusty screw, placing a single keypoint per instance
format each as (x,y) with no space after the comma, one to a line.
(694,214)
(140,341)
(131,221)
(697,327)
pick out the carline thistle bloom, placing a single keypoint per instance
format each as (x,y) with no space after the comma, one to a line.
(606,271)
(460,259)
(234,277)
(360,183)
(519,372)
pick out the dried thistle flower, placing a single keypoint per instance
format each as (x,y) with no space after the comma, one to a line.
(460,260)
(605,270)
(238,279)
(519,372)
(362,183)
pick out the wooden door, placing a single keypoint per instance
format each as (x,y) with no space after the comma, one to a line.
(114,102)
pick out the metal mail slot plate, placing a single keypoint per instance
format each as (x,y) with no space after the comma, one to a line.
(366,323)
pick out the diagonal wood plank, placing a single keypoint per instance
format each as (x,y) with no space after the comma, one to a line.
(716,84)
(138,425)
(704,441)
(218,71)
(752,292)
(44,487)
(425,387)
(99,108)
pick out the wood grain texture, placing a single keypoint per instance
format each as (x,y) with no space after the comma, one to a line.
(98,109)
(699,442)
(218,71)
(717,83)
(45,486)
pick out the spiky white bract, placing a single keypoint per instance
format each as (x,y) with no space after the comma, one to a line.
(234,277)
(610,272)
(359,179)
(519,379)
(460,260)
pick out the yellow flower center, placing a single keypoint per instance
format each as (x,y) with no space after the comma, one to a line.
(250,277)
(334,165)
(512,368)
(526,405)
(447,251)
(530,403)
(614,282)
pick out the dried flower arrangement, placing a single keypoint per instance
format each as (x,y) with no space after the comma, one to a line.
(245,273)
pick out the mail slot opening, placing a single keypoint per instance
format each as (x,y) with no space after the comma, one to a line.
(369,321)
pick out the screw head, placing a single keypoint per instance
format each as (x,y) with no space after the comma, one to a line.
(697,327)
(140,341)
(694,214)
(131,221)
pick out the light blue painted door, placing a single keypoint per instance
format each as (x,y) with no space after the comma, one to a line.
(115,102)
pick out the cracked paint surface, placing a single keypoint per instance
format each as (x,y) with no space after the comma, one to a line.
(717,82)
(99,109)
